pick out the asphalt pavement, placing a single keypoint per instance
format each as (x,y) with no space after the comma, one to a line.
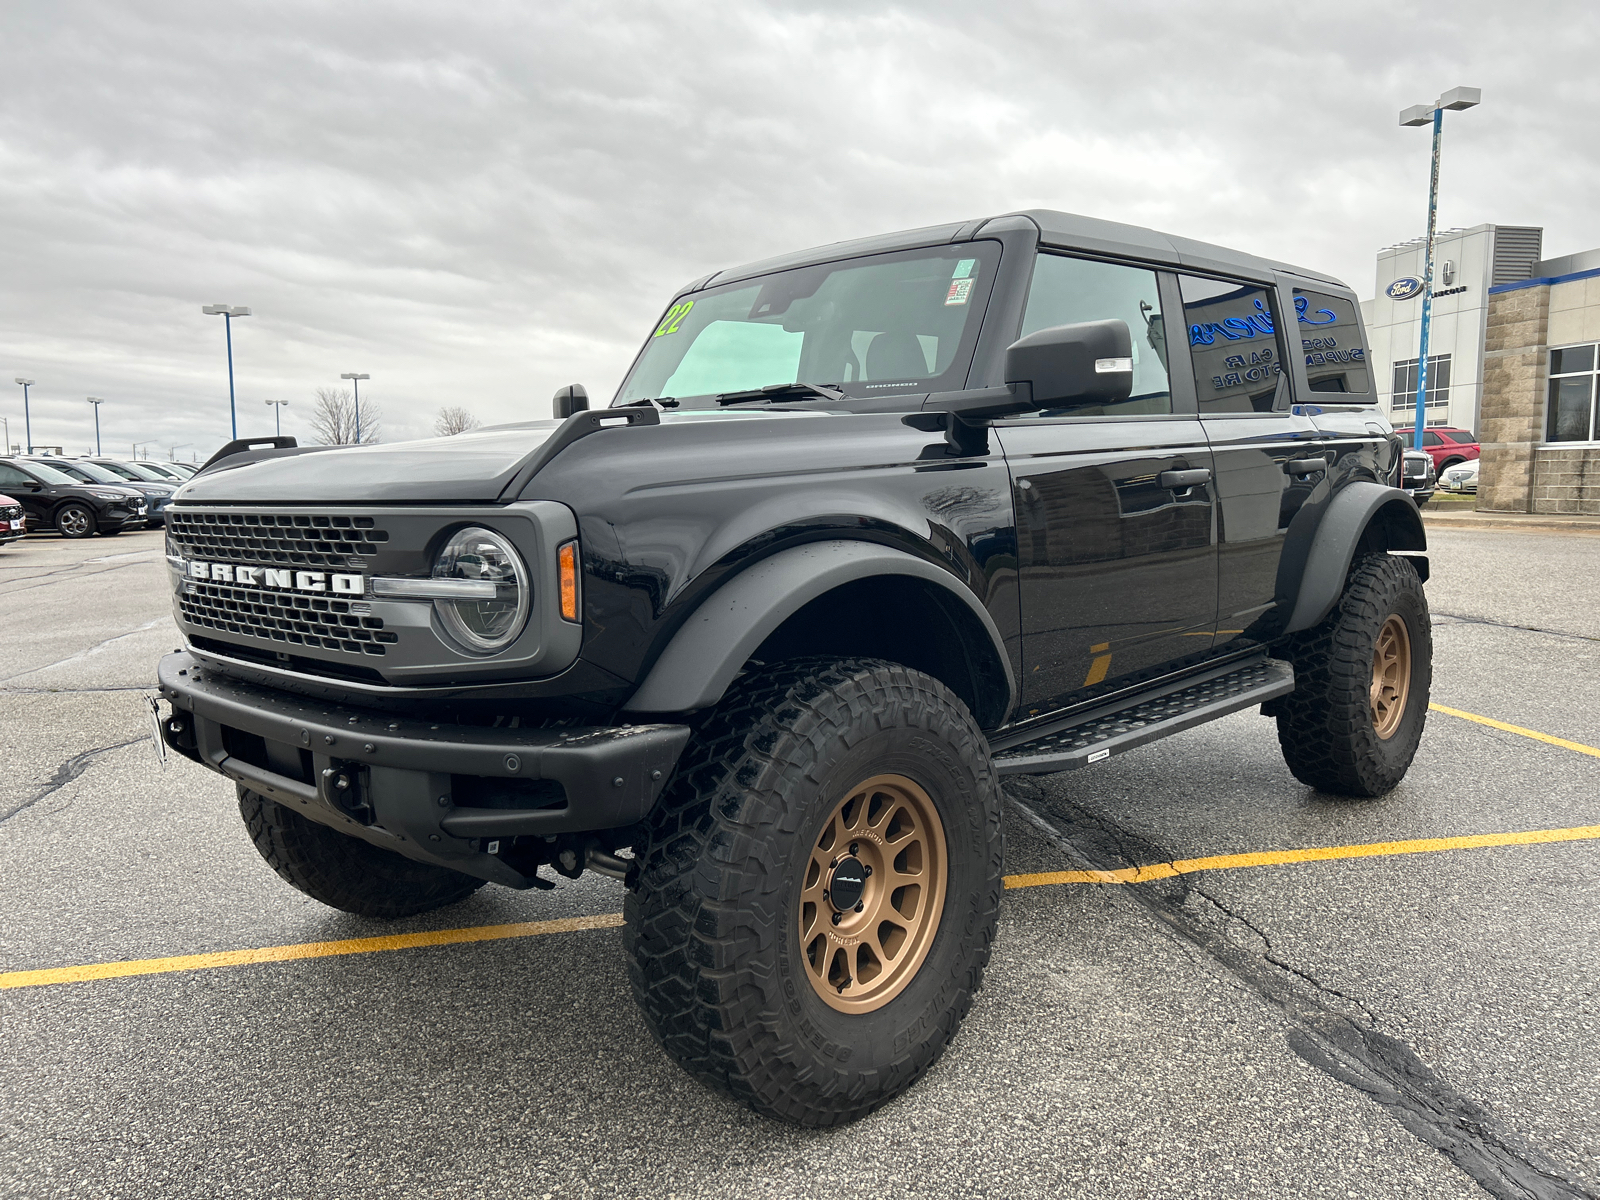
(1388,1025)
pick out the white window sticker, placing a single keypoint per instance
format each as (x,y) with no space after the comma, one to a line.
(964,268)
(960,290)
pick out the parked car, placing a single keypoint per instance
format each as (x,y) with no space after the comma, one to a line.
(12,523)
(183,470)
(1446,445)
(1417,475)
(166,470)
(157,495)
(53,500)
(1461,478)
(782,637)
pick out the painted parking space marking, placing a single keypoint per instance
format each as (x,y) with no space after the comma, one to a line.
(1548,739)
(303,950)
(1278,858)
(490,933)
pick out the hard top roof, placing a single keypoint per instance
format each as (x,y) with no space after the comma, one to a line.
(1066,231)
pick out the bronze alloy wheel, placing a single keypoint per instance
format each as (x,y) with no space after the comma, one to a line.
(1391,676)
(872,893)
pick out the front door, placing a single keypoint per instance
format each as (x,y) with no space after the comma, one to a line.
(1117,563)
(26,491)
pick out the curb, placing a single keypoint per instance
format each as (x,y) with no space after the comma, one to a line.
(1531,522)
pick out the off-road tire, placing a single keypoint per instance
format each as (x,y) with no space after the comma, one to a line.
(712,926)
(345,872)
(1326,725)
(75,521)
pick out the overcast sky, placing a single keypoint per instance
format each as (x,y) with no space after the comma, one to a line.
(478,204)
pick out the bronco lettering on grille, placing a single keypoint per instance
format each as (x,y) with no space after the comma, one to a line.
(340,583)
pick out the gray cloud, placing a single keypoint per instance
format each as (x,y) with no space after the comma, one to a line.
(477,205)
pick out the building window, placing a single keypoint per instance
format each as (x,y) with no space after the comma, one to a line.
(1437,405)
(1570,416)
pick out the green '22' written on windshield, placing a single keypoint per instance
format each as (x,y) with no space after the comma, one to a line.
(674,318)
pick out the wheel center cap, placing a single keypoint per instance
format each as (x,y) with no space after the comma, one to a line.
(848,882)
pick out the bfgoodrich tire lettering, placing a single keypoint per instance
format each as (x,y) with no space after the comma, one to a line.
(345,872)
(713,927)
(1328,726)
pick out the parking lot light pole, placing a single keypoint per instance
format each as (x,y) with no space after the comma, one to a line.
(27,421)
(136,446)
(228,314)
(1417,115)
(355,382)
(97,402)
(277,407)
(172,454)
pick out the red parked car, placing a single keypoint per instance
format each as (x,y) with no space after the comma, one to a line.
(13,524)
(1448,447)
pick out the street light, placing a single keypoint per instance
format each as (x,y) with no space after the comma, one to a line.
(97,402)
(136,446)
(228,314)
(27,421)
(278,406)
(172,454)
(1425,114)
(355,381)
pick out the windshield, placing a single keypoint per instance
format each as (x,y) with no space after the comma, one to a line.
(130,470)
(167,474)
(49,475)
(92,472)
(882,325)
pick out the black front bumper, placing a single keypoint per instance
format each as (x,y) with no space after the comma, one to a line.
(438,793)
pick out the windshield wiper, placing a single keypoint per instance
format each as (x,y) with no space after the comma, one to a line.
(774,391)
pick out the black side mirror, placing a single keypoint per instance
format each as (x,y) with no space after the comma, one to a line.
(1087,363)
(568,400)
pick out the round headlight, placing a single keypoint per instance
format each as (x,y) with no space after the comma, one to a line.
(493,619)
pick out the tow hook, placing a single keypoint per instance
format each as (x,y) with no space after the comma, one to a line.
(575,855)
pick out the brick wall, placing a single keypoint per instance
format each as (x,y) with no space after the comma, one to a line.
(1511,419)
(1566,480)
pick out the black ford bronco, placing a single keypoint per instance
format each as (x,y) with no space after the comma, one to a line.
(865,529)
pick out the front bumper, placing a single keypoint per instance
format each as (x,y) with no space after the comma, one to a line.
(438,793)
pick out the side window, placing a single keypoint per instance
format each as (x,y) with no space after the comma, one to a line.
(11,477)
(1066,291)
(1330,337)
(1234,345)
(1431,439)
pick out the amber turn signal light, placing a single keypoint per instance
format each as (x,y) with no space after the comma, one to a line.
(567,558)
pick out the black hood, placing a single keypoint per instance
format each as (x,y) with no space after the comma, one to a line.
(471,467)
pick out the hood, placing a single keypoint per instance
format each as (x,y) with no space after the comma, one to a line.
(471,467)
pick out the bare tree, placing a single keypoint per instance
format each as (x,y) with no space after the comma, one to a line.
(333,418)
(454,419)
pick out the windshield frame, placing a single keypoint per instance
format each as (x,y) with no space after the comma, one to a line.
(953,377)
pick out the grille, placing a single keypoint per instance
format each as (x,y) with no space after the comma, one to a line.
(10,512)
(302,539)
(283,617)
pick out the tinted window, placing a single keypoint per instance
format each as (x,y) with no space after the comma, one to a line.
(1067,291)
(1234,345)
(1330,337)
(11,477)
(1572,415)
(1430,438)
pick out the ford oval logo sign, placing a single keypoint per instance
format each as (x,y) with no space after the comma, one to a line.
(1404,289)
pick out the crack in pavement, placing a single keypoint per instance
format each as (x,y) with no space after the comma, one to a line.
(68,771)
(1323,1032)
(88,650)
(1580,637)
(47,579)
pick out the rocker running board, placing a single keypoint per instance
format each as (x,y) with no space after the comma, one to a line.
(1096,738)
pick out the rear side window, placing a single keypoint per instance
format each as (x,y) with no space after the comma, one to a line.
(1234,345)
(1330,337)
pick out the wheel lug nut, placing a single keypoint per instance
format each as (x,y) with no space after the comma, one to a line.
(860,907)
(866,869)
(837,917)
(853,847)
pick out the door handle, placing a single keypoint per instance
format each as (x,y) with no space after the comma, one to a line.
(1305,466)
(1179,480)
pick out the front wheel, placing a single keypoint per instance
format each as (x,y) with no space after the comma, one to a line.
(1354,720)
(75,521)
(819,888)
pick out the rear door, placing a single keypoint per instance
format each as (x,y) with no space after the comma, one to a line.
(1270,459)
(1117,564)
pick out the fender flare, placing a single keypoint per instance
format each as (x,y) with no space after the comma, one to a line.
(1326,563)
(719,637)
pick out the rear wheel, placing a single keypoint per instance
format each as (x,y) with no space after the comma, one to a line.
(1354,720)
(345,872)
(819,888)
(75,520)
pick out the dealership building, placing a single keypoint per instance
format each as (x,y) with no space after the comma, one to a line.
(1513,354)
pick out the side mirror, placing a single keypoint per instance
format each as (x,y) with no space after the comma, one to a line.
(568,400)
(1087,363)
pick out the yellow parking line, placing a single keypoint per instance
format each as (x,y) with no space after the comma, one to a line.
(1518,729)
(1274,858)
(367,945)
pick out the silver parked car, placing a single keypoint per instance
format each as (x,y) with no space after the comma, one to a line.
(1417,475)
(1461,478)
